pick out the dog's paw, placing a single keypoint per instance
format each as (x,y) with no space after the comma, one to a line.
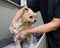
(18,46)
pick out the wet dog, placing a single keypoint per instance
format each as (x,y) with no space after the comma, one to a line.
(28,18)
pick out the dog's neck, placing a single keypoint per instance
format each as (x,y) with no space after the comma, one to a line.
(26,25)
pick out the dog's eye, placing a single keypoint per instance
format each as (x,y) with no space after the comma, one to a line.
(30,17)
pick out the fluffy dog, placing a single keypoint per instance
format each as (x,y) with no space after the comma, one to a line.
(28,18)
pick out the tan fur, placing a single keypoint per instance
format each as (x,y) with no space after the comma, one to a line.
(26,23)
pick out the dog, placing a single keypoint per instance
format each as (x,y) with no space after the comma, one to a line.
(28,18)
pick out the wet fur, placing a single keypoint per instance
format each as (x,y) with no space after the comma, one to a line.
(23,25)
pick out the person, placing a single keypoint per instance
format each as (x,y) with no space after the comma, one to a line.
(50,10)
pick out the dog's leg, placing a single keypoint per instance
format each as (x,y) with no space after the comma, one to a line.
(18,44)
(17,41)
(29,39)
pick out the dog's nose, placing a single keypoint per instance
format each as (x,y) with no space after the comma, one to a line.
(34,20)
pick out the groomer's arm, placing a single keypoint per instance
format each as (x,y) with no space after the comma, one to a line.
(51,26)
(18,15)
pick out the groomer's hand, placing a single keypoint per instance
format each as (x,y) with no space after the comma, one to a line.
(11,30)
(23,33)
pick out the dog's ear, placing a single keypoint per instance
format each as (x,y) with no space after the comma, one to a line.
(26,9)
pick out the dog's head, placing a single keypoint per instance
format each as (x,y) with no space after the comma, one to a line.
(29,16)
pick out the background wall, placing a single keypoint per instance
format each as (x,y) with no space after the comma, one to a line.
(7,12)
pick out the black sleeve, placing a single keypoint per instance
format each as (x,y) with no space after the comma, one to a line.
(57,9)
(33,4)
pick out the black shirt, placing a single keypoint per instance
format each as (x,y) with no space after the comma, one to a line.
(49,9)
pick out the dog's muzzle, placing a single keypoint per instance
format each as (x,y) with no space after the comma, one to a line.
(32,22)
